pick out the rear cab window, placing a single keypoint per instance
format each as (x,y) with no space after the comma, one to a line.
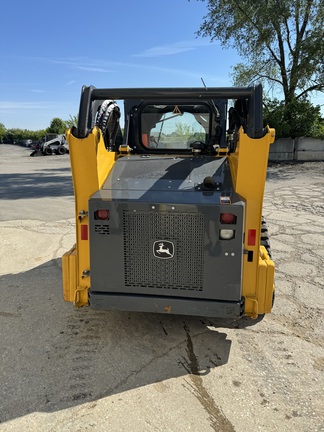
(174,126)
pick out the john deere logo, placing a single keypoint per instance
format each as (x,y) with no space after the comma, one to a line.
(163,249)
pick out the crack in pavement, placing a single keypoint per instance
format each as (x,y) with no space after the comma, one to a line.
(218,421)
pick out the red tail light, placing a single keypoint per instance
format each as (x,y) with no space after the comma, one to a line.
(101,214)
(227,218)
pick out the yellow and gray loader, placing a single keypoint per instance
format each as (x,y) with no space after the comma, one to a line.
(168,207)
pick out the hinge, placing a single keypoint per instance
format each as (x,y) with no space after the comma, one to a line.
(82,214)
(124,149)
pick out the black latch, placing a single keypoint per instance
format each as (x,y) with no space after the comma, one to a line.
(249,255)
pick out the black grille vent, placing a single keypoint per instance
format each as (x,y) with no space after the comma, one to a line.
(182,272)
(102,229)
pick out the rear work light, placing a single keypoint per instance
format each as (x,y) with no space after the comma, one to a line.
(101,214)
(227,218)
(226,234)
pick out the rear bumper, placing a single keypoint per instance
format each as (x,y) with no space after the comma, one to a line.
(167,305)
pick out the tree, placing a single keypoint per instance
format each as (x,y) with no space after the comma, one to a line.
(183,129)
(57,126)
(280,40)
(72,121)
(305,119)
(2,132)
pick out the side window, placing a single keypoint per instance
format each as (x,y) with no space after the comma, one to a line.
(174,127)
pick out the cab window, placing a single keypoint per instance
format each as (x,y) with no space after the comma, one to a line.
(174,127)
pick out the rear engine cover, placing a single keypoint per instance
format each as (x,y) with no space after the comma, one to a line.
(162,235)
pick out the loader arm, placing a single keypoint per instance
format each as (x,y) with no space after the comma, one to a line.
(90,165)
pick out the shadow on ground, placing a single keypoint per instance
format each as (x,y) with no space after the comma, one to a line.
(56,182)
(55,356)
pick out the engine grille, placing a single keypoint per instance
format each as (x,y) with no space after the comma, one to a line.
(182,272)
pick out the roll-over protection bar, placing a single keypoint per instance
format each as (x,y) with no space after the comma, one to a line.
(251,95)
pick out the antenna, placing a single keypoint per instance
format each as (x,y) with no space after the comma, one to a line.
(206,90)
(204,83)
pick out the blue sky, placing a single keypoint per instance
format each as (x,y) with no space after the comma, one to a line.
(50,49)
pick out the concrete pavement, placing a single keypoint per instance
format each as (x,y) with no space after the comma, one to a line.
(66,369)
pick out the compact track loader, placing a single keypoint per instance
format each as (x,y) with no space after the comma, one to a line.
(168,209)
(53,144)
